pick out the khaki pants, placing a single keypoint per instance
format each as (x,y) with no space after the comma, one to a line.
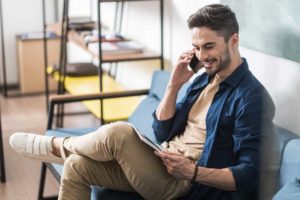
(114,157)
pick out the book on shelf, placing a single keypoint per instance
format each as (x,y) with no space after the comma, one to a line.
(120,47)
(37,35)
(147,140)
(91,38)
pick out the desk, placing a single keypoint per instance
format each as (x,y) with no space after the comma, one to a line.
(31,63)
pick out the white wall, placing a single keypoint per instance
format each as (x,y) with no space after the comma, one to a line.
(280,76)
(18,17)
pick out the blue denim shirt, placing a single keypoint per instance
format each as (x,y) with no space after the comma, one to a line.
(240,115)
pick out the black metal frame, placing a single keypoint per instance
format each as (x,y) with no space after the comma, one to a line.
(101,60)
(2,164)
(45,45)
(62,59)
(3,52)
(62,99)
(63,52)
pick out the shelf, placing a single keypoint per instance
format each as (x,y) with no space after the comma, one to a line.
(106,57)
(77,39)
(114,109)
(145,55)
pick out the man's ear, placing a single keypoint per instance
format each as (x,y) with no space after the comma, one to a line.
(234,40)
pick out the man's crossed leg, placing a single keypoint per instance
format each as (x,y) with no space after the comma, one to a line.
(112,157)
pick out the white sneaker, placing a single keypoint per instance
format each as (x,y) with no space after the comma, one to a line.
(34,146)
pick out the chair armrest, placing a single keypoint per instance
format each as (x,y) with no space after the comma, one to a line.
(97,96)
(57,99)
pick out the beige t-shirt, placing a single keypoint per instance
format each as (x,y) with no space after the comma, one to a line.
(191,142)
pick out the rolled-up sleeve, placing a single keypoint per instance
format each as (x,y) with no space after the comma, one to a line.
(162,127)
(253,122)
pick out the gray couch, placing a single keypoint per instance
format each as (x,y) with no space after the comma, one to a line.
(281,177)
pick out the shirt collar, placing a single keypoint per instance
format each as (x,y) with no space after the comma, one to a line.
(237,74)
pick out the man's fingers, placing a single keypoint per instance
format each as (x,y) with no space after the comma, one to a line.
(169,157)
(187,54)
(174,153)
(173,156)
(159,154)
(183,56)
(166,162)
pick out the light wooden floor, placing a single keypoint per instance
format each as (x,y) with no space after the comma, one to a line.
(28,114)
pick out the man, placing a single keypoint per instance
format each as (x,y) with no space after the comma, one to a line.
(212,136)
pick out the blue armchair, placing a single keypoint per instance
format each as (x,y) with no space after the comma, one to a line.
(288,168)
(285,163)
(141,115)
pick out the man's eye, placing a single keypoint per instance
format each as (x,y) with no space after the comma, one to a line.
(209,46)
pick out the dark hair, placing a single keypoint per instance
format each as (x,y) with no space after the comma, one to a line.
(217,17)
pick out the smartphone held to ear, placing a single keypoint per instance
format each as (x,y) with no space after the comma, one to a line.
(194,62)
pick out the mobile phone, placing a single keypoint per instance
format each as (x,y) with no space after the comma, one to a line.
(194,62)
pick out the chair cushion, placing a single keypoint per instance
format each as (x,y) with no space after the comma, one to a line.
(290,191)
(158,84)
(272,153)
(99,193)
(290,165)
(282,137)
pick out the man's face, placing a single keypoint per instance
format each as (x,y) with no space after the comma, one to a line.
(211,50)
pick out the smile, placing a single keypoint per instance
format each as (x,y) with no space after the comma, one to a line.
(208,64)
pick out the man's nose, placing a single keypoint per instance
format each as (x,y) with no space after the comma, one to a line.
(202,55)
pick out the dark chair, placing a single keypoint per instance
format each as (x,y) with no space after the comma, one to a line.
(2,165)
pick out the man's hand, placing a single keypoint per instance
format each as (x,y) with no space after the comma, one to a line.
(181,73)
(177,165)
(183,168)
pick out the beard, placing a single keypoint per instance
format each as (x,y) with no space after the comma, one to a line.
(224,62)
